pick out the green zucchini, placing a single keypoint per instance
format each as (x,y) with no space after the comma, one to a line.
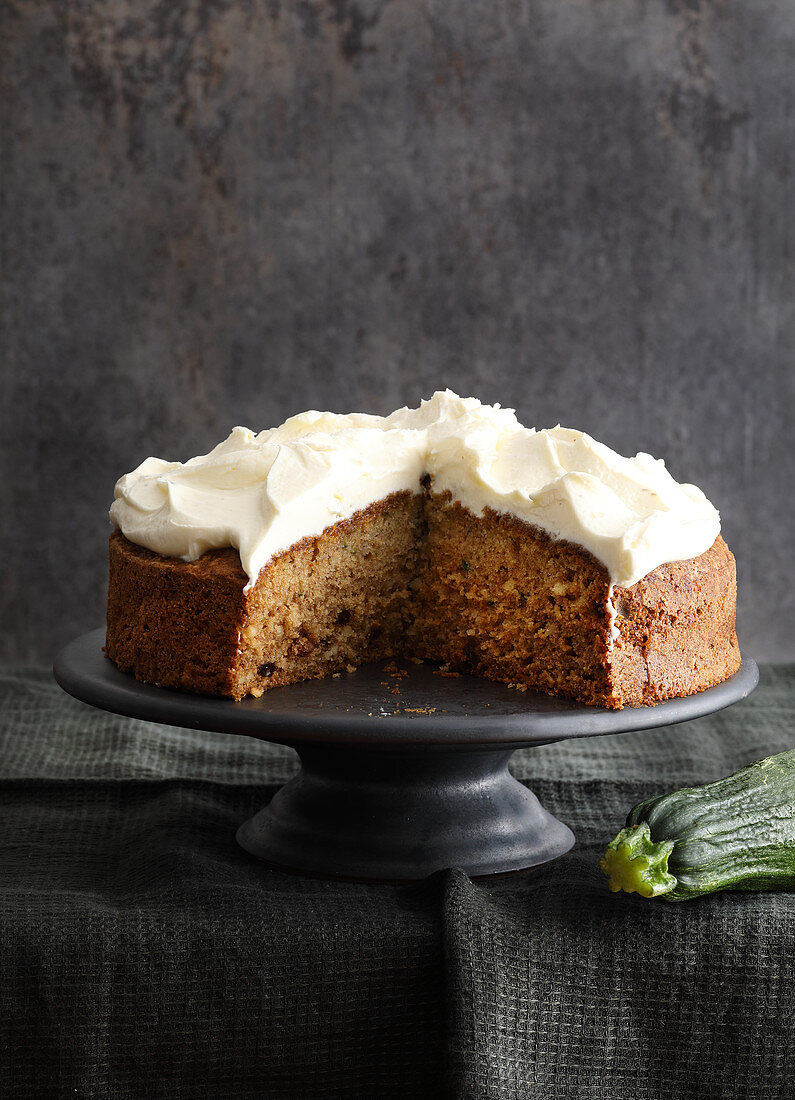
(735,834)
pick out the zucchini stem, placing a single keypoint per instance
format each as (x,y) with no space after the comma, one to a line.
(634,863)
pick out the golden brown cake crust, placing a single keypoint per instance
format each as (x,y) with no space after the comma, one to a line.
(420,576)
(171,622)
(677,629)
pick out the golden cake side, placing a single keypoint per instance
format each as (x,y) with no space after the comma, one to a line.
(676,629)
(175,623)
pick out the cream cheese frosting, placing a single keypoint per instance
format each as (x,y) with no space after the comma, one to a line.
(260,493)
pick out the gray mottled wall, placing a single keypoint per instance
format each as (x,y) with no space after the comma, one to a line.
(224,212)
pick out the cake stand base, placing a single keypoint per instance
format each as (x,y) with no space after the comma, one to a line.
(389,813)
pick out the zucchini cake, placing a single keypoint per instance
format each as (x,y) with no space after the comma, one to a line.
(450,532)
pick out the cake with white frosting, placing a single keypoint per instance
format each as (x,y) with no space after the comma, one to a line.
(449,532)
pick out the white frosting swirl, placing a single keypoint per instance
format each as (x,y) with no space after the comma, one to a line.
(262,493)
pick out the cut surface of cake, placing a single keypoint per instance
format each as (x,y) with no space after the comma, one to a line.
(449,533)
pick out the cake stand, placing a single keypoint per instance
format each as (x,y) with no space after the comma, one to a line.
(404,771)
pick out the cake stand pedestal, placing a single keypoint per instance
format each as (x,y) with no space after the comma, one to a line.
(403,772)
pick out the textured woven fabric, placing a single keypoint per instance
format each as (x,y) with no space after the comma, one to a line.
(143,954)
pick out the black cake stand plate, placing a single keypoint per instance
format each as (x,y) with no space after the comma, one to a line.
(402,772)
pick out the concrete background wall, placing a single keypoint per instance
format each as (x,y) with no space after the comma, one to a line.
(225,212)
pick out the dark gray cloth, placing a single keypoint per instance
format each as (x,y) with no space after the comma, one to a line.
(144,955)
